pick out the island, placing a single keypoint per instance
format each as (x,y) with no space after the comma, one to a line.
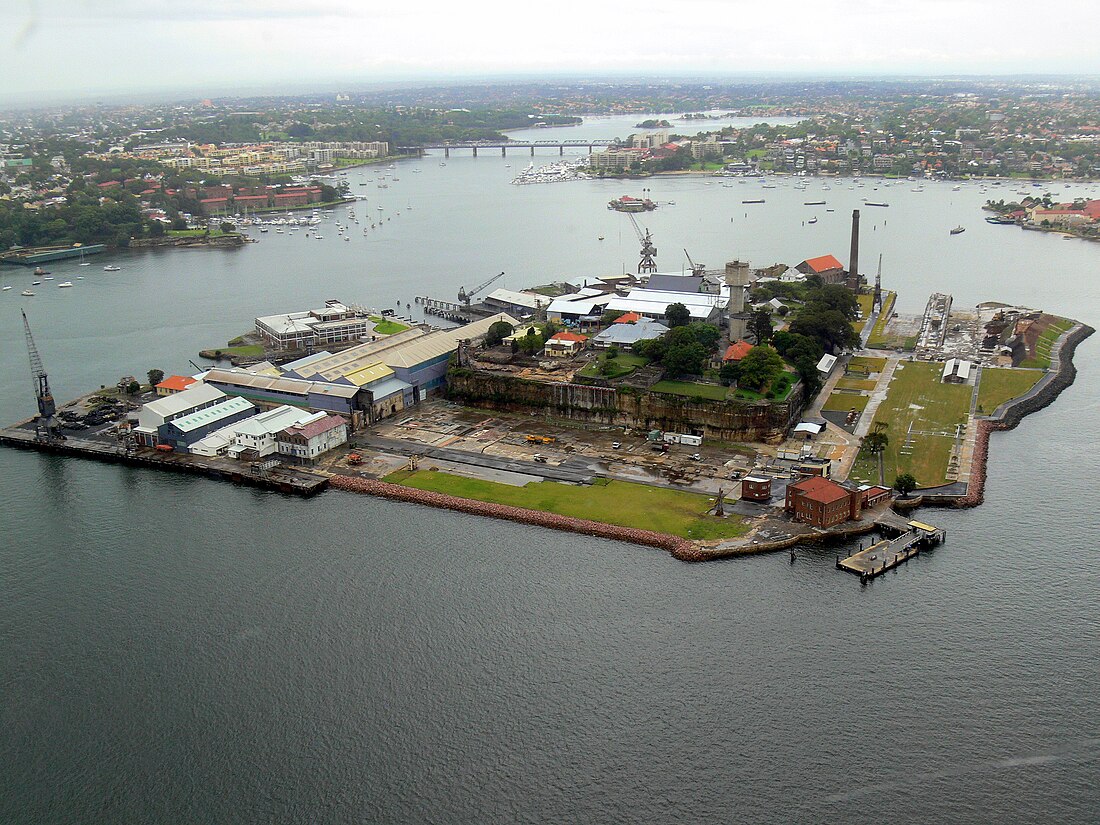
(723,412)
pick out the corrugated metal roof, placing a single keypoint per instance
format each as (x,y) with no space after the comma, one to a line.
(191,397)
(363,355)
(440,343)
(293,386)
(369,374)
(211,415)
(387,387)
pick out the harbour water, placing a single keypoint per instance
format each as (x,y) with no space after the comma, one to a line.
(174,649)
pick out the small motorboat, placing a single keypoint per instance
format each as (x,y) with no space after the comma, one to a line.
(64,284)
(958,230)
(5,289)
(111,268)
(28,293)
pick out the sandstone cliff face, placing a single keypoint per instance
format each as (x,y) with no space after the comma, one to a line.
(627,407)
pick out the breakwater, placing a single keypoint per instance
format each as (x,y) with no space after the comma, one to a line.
(679,547)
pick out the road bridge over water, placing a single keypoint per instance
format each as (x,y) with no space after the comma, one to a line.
(504,146)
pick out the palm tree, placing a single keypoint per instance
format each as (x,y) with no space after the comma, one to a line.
(875,442)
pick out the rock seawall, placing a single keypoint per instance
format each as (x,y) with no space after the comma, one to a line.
(678,547)
(1010,415)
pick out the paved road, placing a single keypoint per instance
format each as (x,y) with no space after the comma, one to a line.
(532,468)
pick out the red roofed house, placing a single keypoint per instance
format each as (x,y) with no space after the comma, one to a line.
(211,206)
(173,384)
(628,318)
(564,344)
(822,502)
(826,267)
(737,351)
(305,442)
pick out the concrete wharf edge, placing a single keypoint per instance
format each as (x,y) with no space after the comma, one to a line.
(274,481)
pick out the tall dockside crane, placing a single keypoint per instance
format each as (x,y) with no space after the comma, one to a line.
(46,425)
(464,296)
(649,249)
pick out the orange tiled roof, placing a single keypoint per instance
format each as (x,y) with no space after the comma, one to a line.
(737,351)
(824,262)
(176,382)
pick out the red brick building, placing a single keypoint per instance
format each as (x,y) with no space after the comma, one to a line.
(756,488)
(250,201)
(827,267)
(211,206)
(822,502)
(287,199)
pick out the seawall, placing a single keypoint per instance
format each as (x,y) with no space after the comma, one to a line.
(1009,415)
(678,547)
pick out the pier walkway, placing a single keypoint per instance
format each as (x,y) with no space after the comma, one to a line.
(888,554)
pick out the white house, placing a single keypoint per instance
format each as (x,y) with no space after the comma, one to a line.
(305,442)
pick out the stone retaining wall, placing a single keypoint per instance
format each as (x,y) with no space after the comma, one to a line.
(678,547)
(1015,411)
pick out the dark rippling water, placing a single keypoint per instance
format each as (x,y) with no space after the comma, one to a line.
(180,650)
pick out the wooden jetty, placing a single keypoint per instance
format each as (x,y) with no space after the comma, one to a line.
(888,554)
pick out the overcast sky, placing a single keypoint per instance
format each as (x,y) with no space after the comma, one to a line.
(81,48)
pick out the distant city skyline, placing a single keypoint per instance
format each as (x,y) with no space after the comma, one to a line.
(80,49)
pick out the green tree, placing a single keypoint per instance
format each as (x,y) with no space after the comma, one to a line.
(677,315)
(760,325)
(612,353)
(685,359)
(133,388)
(497,333)
(730,372)
(610,317)
(759,368)
(905,483)
(227,227)
(155,377)
(156,229)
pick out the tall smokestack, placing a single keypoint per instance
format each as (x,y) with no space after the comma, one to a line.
(853,258)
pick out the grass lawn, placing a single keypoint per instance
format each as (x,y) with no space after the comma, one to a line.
(1000,385)
(844,401)
(624,364)
(715,392)
(866,304)
(246,351)
(196,233)
(877,337)
(856,384)
(385,327)
(918,397)
(862,363)
(1043,345)
(616,502)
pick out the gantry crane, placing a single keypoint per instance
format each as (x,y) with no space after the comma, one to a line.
(464,296)
(46,425)
(649,250)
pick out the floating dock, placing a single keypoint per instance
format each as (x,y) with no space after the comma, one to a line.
(886,555)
